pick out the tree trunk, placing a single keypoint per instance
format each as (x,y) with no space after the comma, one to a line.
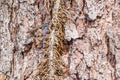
(71,39)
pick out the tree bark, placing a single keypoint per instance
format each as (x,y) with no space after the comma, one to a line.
(91,38)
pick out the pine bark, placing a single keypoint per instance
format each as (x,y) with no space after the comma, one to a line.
(92,39)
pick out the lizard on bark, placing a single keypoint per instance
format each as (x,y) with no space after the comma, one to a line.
(52,66)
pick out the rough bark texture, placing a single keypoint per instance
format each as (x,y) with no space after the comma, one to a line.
(92,39)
